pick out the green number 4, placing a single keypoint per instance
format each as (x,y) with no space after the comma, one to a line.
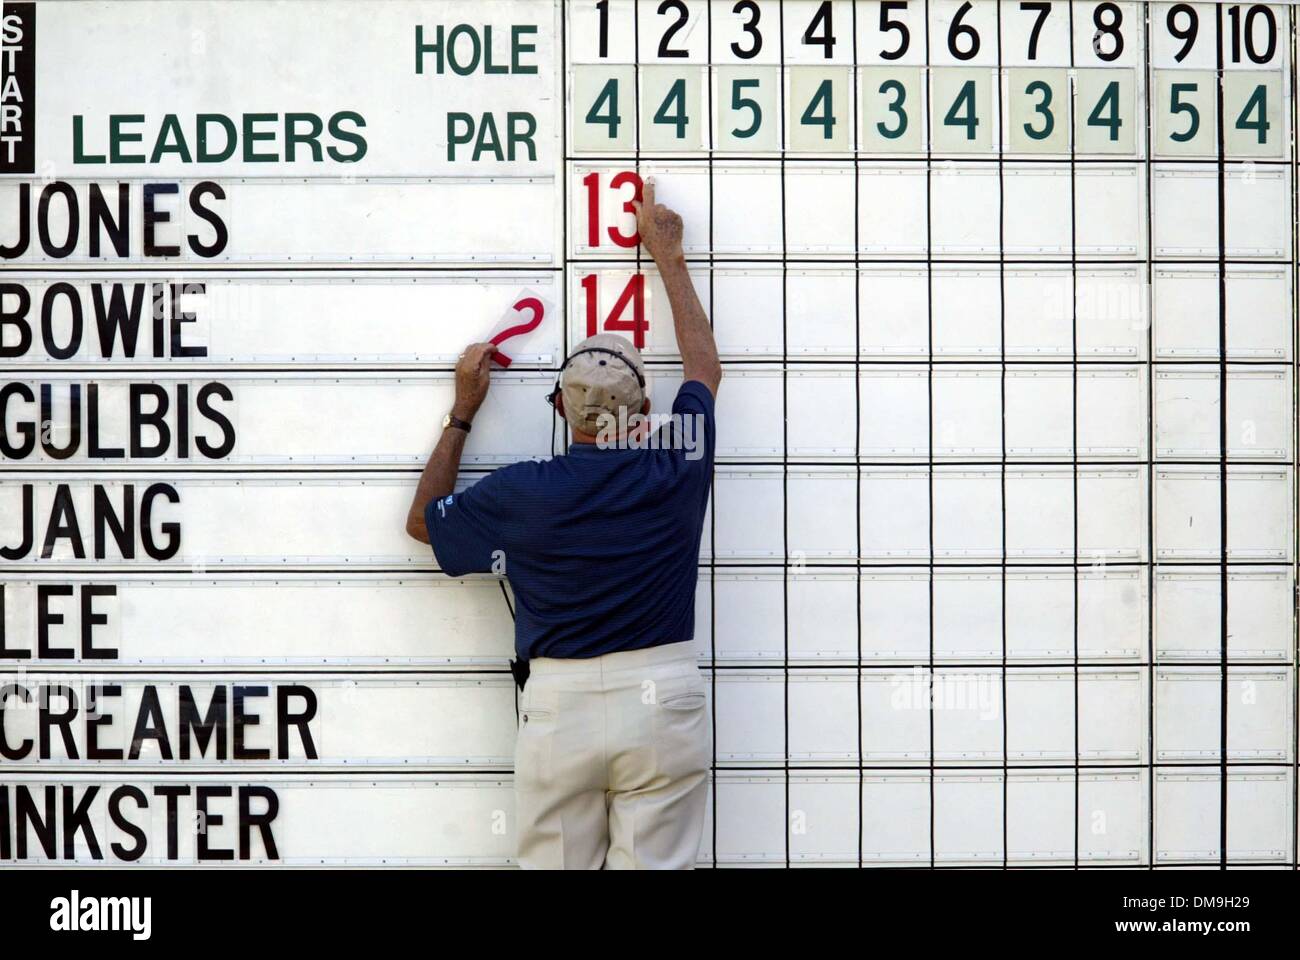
(1106,112)
(676,96)
(1258,102)
(822,99)
(965,101)
(608,95)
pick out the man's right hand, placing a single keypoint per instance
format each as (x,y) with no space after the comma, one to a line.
(660,227)
(661,235)
(473,377)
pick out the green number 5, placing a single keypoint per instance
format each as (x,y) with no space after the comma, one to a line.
(745,103)
(1177,105)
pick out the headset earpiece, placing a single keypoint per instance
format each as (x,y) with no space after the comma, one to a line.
(557,389)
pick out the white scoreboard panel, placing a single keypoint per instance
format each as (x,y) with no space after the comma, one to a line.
(1000,565)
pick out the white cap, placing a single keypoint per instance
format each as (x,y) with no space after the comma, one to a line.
(604,376)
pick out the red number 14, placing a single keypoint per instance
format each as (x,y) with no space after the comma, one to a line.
(634,293)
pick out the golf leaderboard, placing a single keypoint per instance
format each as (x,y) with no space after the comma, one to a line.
(1001,560)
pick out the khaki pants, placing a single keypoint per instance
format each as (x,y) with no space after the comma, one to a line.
(612,761)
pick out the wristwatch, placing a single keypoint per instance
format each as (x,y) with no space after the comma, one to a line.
(453,421)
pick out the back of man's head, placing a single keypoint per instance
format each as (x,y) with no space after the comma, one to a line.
(603,378)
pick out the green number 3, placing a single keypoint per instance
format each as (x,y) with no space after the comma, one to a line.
(1049,122)
(896,108)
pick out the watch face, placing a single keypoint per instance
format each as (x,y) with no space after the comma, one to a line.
(446,421)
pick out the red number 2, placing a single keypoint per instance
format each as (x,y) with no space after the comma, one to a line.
(531,304)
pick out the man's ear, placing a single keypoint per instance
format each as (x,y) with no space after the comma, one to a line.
(645,407)
(559,404)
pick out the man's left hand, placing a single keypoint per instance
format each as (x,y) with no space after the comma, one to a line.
(473,378)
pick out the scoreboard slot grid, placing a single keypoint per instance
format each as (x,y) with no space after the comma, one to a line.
(1074,442)
(857,451)
(713,489)
(1229,563)
(1295,346)
(929,427)
(1150,493)
(1002,437)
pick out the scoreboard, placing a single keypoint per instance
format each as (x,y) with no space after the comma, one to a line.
(1000,564)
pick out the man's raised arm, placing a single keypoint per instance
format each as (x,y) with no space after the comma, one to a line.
(661,235)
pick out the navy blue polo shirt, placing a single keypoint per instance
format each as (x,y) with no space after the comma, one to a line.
(601,546)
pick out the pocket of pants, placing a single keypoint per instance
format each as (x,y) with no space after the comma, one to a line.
(681,729)
(534,715)
(533,745)
(536,703)
(685,702)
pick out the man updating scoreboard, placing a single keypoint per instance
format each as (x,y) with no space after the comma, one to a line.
(600,546)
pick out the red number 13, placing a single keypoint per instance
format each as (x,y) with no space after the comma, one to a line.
(592,182)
